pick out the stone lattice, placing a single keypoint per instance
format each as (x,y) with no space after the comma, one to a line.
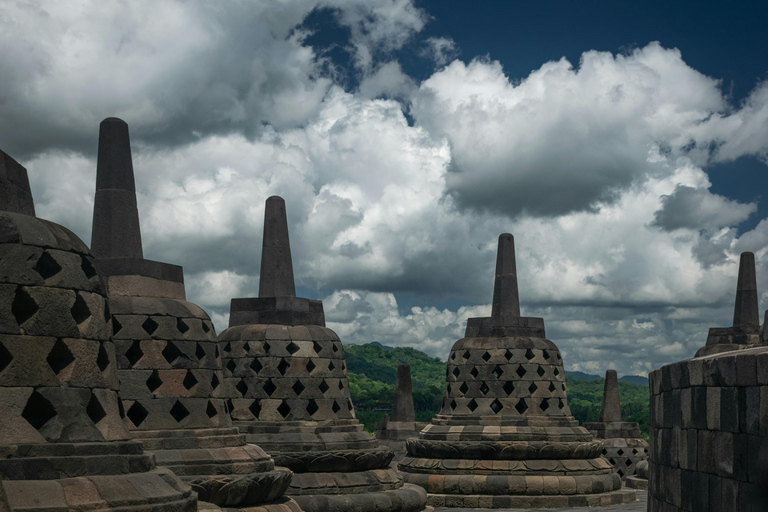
(622,444)
(286,375)
(403,425)
(63,444)
(505,437)
(168,360)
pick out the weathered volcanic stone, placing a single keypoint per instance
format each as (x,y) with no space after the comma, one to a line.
(63,445)
(403,425)
(622,444)
(286,376)
(168,360)
(505,436)
(745,332)
(15,195)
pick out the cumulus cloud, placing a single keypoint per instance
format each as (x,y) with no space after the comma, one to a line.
(689,207)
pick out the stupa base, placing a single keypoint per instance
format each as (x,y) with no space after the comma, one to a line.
(634,482)
(526,502)
(407,498)
(281,505)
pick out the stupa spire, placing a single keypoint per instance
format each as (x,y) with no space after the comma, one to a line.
(276,279)
(15,194)
(745,312)
(506,301)
(611,409)
(116,231)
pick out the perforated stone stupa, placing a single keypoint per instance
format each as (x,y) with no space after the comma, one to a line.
(287,377)
(622,444)
(505,437)
(63,445)
(168,359)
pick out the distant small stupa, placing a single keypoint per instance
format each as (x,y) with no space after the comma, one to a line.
(393,433)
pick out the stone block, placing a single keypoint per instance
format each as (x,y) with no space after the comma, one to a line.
(729,410)
(713,407)
(722,452)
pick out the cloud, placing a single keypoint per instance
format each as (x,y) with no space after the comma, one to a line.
(695,208)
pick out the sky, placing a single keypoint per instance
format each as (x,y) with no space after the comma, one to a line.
(624,146)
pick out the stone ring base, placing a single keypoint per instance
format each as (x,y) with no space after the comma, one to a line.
(634,482)
(408,498)
(515,485)
(359,482)
(526,502)
(282,505)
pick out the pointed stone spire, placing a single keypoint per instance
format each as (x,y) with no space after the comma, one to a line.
(116,232)
(276,279)
(15,194)
(506,301)
(611,410)
(746,314)
(403,409)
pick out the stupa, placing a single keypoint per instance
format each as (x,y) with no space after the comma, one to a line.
(622,444)
(63,445)
(745,332)
(287,375)
(505,437)
(403,425)
(168,360)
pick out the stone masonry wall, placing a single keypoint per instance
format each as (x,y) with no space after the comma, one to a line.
(709,434)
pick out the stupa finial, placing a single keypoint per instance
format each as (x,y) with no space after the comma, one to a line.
(276,279)
(15,194)
(116,231)
(745,311)
(506,301)
(611,409)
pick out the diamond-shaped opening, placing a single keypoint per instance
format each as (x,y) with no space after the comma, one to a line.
(456,371)
(556,372)
(331,366)
(509,387)
(497,372)
(102,359)
(242,388)
(199,351)
(521,406)
(453,356)
(344,366)
(256,366)
(453,405)
(59,357)
(448,388)
(560,403)
(137,414)
(316,347)
(88,269)
(474,372)
(335,408)
(486,356)
(563,386)
(107,314)
(134,353)
(540,371)
(620,452)
(298,388)
(544,405)
(211,410)
(520,371)
(628,463)
(228,348)
(545,354)
(189,380)
(335,348)
(551,387)
(620,472)
(472,405)
(284,409)
(605,452)
(228,406)
(532,388)
(154,382)
(484,388)
(341,385)
(5,357)
(216,351)
(269,387)
(324,386)
(612,461)
(46,266)
(292,348)
(349,404)
(508,355)
(558,355)
(94,410)
(231,365)
(116,326)
(214,381)
(150,326)
(246,347)
(179,412)
(182,326)
(634,451)
(206,328)
(466,354)
(310,366)
(464,388)
(283,366)
(529,354)
(80,311)
(38,410)
(255,408)
(496,406)
(23,307)
(267,346)
(120,409)
(171,352)
(312,407)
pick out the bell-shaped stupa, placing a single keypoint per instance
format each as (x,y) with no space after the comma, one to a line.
(505,437)
(622,444)
(168,360)
(63,443)
(286,373)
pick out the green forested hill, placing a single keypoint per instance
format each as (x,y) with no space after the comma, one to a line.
(372,371)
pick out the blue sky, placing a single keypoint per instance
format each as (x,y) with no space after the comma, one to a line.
(623,144)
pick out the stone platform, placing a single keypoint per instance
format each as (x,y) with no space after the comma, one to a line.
(640,505)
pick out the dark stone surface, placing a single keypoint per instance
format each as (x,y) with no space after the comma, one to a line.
(116,232)
(403,409)
(276,310)
(276,277)
(506,300)
(15,194)
(611,409)
(745,312)
(140,267)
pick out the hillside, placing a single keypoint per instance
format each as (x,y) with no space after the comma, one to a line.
(372,371)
